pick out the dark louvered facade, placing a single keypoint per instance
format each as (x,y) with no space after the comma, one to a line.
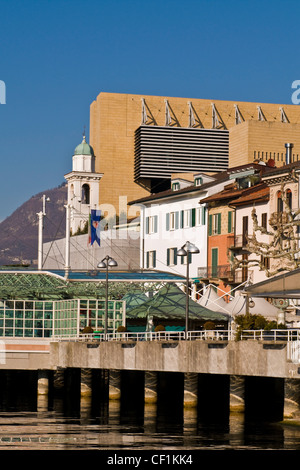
(161,151)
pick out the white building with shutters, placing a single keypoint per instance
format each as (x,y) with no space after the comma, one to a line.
(171,218)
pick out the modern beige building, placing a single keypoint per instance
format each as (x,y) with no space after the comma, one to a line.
(139,141)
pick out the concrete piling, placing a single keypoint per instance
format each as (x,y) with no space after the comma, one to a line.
(150,387)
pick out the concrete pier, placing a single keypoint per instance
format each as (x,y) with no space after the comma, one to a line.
(254,377)
(150,387)
(187,398)
(43,382)
(237,394)
(214,397)
(190,390)
(241,358)
(264,398)
(114,384)
(86,383)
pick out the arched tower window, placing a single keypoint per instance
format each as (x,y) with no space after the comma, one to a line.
(85,197)
(72,191)
(279,202)
(289,197)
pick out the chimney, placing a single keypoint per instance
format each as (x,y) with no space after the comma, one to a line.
(288,153)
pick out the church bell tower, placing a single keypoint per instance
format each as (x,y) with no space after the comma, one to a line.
(83,186)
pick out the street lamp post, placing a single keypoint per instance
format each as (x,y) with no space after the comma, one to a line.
(187,249)
(107,262)
(41,216)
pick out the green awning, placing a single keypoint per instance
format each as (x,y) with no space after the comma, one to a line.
(170,304)
(134,299)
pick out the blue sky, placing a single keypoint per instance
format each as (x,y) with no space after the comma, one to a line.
(57,56)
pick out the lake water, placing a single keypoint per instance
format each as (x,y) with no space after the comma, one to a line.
(29,426)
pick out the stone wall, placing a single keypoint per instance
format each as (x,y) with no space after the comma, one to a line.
(125,249)
(244,358)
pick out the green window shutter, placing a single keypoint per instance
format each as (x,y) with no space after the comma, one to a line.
(181,219)
(147,259)
(219,224)
(176,220)
(167,221)
(154,259)
(190,258)
(229,221)
(147,225)
(168,257)
(214,256)
(175,256)
(203,214)
(193,217)
(155,223)
(210,225)
(214,261)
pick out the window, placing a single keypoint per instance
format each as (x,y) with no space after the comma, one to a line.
(184,259)
(151,259)
(265,261)
(171,256)
(151,224)
(230,222)
(181,219)
(188,218)
(85,194)
(175,186)
(172,221)
(214,261)
(72,192)
(264,220)
(280,200)
(198,181)
(214,224)
(289,198)
(92,313)
(245,230)
(200,215)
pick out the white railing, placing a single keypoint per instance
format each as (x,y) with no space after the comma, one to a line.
(215,335)
(271,335)
(125,336)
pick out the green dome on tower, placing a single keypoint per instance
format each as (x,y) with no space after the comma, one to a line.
(84,148)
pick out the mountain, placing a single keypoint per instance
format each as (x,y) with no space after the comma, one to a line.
(19,231)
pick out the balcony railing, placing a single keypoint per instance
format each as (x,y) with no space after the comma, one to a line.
(239,242)
(219,271)
(225,272)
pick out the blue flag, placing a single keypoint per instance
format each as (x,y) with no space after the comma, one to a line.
(95,226)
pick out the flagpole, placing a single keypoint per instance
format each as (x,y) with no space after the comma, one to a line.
(67,256)
(40,241)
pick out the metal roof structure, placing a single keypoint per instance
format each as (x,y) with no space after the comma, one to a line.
(170,304)
(285,285)
(134,299)
(22,283)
